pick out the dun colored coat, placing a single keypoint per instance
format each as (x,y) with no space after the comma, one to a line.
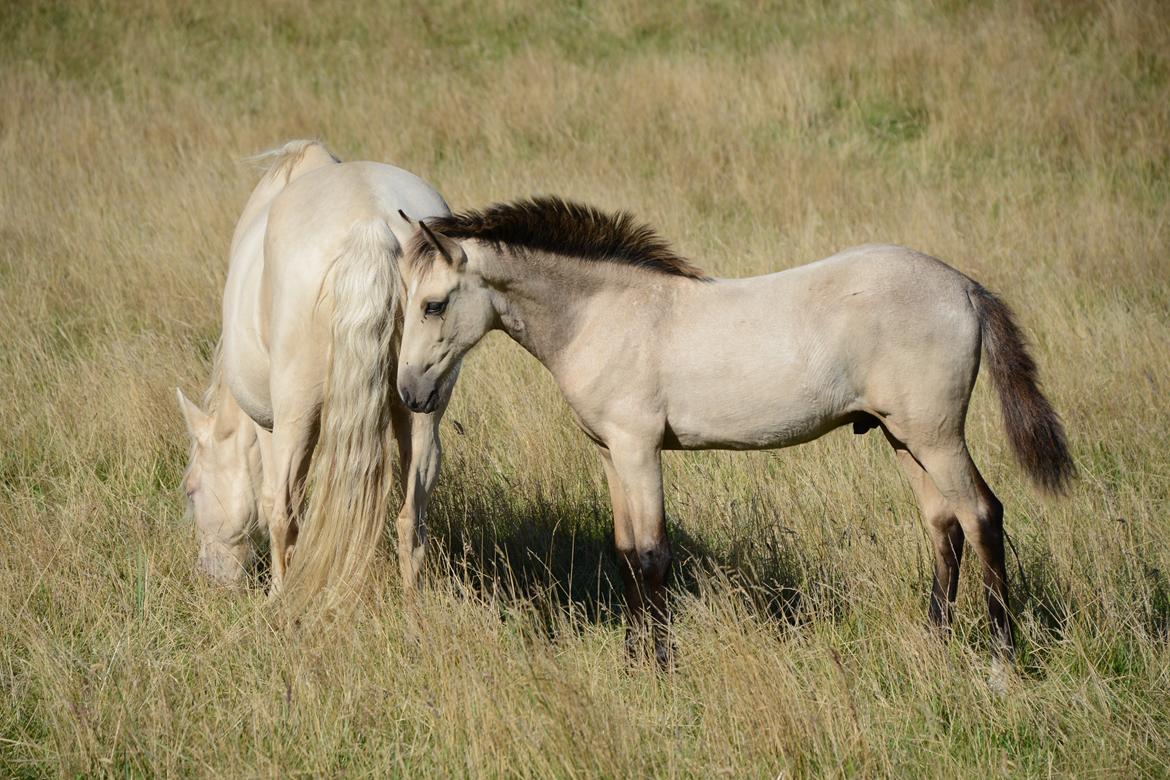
(652,354)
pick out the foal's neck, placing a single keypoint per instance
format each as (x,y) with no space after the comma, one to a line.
(539,297)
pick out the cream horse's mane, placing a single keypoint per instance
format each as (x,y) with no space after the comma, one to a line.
(211,394)
(561,227)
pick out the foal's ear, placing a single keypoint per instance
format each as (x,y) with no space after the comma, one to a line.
(449,249)
(198,421)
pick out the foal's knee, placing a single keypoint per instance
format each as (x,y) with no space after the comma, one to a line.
(946,534)
(655,563)
(982,521)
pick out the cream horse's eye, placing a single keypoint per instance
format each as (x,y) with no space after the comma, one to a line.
(435,307)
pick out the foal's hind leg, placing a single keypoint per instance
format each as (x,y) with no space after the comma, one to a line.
(946,537)
(981,516)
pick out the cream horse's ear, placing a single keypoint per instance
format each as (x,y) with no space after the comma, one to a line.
(198,421)
(448,249)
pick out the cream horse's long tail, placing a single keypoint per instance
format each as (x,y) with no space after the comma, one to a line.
(348,505)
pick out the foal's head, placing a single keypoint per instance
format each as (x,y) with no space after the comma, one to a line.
(448,309)
(221,486)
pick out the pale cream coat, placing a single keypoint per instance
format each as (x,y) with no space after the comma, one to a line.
(307,362)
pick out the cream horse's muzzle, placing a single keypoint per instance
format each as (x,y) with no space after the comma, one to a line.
(223,564)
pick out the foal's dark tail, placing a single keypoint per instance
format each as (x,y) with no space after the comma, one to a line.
(1033,426)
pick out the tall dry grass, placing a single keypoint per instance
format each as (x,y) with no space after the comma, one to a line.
(1027,144)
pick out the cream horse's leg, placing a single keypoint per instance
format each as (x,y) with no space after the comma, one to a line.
(294,436)
(639,471)
(267,492)
(420,455)
(627,553)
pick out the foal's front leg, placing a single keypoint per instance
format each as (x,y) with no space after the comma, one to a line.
(627,554)
(420,455)
(639,471)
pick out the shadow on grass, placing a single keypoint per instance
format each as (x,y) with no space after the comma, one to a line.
(554,551)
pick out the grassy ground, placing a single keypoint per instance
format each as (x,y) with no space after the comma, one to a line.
(1028,146)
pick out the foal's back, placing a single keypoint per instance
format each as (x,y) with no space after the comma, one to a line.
(779,359)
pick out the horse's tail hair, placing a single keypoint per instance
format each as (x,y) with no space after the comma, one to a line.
(1033,426)
(347,509)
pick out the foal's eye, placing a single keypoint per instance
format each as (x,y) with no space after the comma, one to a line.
(436,308)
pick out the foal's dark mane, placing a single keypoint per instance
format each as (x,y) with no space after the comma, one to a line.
(564,227)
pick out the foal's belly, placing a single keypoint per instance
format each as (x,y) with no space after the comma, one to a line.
(743,427)
(761,391)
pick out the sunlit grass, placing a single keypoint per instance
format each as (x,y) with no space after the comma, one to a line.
(1027,144)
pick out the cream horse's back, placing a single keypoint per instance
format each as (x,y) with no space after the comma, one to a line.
(306,365)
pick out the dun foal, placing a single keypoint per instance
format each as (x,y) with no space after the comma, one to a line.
(652,354)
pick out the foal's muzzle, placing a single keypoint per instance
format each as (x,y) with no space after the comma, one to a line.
(417,392)
(421,405)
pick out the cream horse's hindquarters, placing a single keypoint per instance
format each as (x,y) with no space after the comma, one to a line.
(279,330)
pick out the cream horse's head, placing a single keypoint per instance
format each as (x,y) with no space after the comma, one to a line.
(222,486)
(448,309)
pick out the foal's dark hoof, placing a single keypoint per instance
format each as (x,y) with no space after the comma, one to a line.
(664,656)
(638,657)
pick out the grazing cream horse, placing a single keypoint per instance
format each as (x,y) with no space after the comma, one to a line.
(652,354)
(306,361)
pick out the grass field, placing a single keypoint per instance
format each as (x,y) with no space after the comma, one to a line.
(1027,145)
